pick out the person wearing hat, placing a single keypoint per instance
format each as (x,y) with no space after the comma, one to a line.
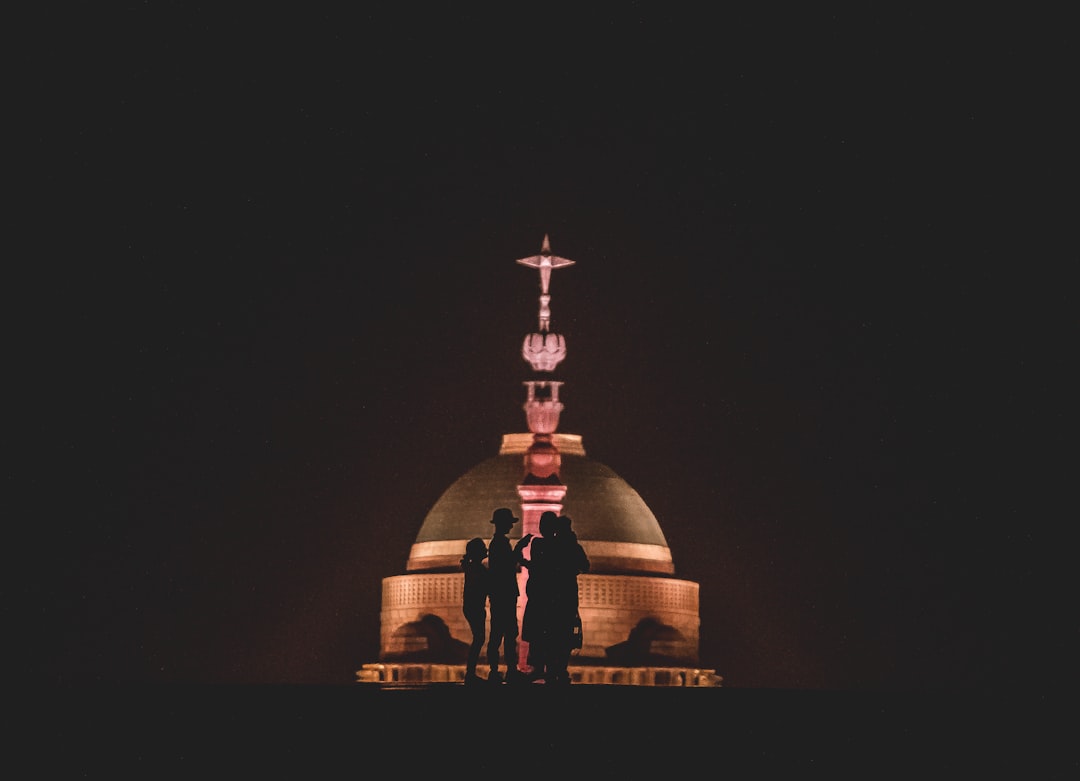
(503,563)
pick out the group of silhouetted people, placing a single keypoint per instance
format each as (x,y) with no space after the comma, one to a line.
(551,623)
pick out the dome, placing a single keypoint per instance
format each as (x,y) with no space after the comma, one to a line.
(612,521)
(635,613)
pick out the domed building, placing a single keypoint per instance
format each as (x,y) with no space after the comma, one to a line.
(639,621)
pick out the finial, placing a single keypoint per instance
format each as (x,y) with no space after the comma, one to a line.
(544,350)
(545,261)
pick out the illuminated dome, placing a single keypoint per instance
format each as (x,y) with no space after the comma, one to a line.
(619,532)
(638,618)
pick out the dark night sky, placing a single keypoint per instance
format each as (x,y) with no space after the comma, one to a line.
(271,313)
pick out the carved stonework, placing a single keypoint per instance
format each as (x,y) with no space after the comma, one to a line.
(544,351)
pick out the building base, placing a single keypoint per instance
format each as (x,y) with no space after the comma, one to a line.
(406,674)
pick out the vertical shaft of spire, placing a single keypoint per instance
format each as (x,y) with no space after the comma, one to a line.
(541,489)
(544,350)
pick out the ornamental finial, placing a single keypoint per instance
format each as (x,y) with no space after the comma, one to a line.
(544,350)
(545,261)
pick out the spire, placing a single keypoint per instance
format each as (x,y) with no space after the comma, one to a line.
(545,261)
(544,350)
(541,489)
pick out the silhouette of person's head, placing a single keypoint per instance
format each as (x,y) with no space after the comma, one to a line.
(548,522)
(503,519)
(563,526)
(475,549)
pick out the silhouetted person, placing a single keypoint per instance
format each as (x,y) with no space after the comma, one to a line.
(566,560)
(536,621)
(474,602)
(502,598)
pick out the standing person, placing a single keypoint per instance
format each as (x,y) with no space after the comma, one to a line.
(568,560)
(474,603)
(536,622)
(502,597)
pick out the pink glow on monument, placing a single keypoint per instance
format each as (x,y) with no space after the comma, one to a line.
(544,351)
(540,490)
(545,261)
(542,406)
(542,459)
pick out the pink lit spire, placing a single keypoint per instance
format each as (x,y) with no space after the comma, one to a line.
(541,489)
(544,350)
